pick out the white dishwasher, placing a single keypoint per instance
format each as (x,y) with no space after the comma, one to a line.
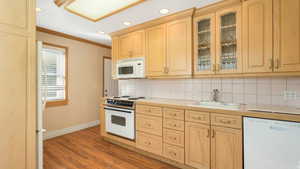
(271,144)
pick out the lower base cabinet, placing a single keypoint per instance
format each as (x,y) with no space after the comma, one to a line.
(197,145)
(174,152)
(226,148)
(149,143)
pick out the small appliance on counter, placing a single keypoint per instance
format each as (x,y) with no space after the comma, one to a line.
(120,116)
(131,68)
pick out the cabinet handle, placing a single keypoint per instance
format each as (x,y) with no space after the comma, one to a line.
(167,70)
(172,153)
(208,133)
(213,134)
(277,64)
(225,121)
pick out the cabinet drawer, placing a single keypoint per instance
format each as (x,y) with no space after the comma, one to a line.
(198,117)
(150,110)
(226,120)
(174,137)
(149,142)
(149,124)
(176,114)
(174,153)
(174,124)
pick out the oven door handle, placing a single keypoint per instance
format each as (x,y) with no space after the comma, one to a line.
(118,109)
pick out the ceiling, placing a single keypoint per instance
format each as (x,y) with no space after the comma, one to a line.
(60,20)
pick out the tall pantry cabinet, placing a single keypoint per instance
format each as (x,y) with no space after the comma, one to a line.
(18,87)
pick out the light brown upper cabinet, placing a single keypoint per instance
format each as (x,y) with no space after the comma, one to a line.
(258,36)
(115,54)
(204,44)
(179,47)
(228,41)
(197,145)
(286,35)
(156,50)
(132,45)
(226,148)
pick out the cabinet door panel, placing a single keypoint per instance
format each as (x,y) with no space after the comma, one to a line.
(258,35)
(125,47)
(204,44)
(115,55)
(179,47)
(226,148)
(13,53)
(287,35)
(138,44)
(14,13)
(228,41)
(197,145)
(156,50)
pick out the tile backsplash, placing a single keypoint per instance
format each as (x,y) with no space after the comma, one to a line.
(256,91)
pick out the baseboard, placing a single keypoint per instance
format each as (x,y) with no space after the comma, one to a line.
(56,133)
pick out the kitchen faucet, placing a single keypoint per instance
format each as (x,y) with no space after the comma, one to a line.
(215,95)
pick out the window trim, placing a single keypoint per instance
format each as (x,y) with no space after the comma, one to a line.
(66,100)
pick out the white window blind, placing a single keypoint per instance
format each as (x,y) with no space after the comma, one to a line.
(54,78)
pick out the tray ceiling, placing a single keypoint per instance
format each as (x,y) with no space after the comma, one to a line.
(58,19)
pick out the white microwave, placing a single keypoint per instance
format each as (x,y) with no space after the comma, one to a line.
(131,68)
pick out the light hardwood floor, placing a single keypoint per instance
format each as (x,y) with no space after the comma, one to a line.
(87,150)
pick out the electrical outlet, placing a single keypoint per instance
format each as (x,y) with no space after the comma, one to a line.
(290,95)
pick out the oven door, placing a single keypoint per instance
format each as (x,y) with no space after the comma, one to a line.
(120,122)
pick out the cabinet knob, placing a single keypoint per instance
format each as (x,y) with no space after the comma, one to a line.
(277,64)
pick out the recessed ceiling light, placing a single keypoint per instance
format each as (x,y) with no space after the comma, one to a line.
(38,9)
(164,11)
(127,23)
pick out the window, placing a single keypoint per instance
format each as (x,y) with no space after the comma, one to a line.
(55,61)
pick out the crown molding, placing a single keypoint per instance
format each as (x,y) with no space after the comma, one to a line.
(49,31)
(161,20)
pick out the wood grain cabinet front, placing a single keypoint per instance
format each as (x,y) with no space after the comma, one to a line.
(149,124)
(286,35)
(197,145)
(174,153)
(226,120)
(197,117)
(149,143)
(174,124)
(226,148)
(149,110)
(173,137)
(257,36)
(176,114)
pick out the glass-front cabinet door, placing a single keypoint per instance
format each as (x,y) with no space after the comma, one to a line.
(228,41)
(204,44)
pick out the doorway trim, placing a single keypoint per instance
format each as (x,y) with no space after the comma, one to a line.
(103,73)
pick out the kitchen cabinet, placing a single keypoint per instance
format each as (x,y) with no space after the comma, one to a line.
(286,35)
(228,41)
(258,36)
(156,50)
(204,44)
(226,148)
(115,54)
(179,47)
(132,45)
(197,145)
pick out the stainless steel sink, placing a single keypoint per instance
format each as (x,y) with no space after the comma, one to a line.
(217,105)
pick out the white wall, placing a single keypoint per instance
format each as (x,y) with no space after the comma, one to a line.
(257,91)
